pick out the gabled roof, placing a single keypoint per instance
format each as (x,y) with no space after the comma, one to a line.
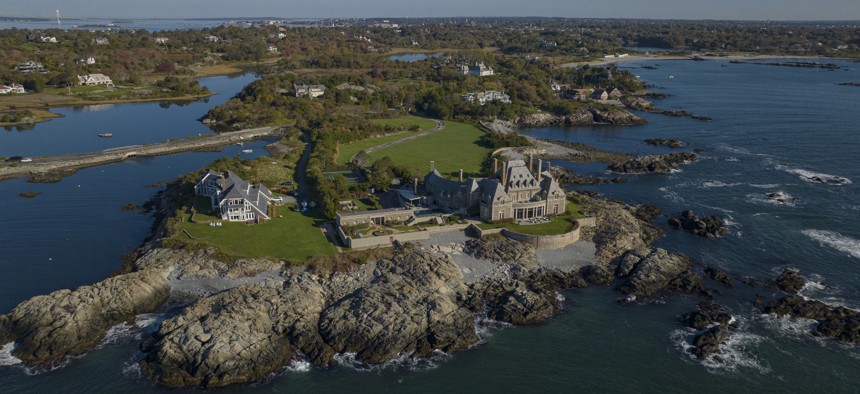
(234,187)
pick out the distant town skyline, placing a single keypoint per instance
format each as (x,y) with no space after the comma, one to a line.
(652,9)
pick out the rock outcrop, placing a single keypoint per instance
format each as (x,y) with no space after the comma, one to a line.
(653,272)
(500,249)
(412,304)
(65,323)
(706,226)
(667,143)
(715,324)
(652,163)
(789,281)
(582,117)
(836,322)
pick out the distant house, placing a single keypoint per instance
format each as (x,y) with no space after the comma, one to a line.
(613,93)
(211,38)
(161,40)
(600,94)
(272,48)
(87,60)
(554,86)
(233,198)
(31,67)
(463,69)
(94,79)
(12,88)
(313,91)
(48,40)
(578,94)
(101,41)
(483,98)
(481,70)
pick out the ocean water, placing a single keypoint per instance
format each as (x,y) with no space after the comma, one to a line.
(774,128)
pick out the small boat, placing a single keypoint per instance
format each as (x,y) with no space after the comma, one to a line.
(105,135)
(247,150)
(671,77)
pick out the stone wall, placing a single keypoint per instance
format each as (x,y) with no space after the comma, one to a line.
(540,241)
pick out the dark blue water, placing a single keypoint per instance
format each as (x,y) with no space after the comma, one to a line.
(413,57)
(772,126)
(130,124)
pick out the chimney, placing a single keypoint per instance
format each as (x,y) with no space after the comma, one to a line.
(432,165)
(540,168)
(224,180)
(461,175)
(415,186)
(531,163)
(495,167)
(504,173)
(549,167)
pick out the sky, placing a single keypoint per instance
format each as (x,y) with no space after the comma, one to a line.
(645,9)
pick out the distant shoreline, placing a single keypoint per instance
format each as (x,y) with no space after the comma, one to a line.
(642,58)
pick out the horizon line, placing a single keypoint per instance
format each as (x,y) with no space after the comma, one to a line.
(428,17)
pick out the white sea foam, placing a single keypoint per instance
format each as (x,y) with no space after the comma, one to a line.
(712,184)
(402,360)
(790,327)
(732,355)
(778,198)
(815,177)
(837,241)
(117,333)
(559,297)
(131,369)
(6,357)
(733,159)
(765,185)
(671,195)
(299,366)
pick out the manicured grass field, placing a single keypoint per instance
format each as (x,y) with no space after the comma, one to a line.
(454,147)
(295,237)
(559,225)
(347,151)
(424,123)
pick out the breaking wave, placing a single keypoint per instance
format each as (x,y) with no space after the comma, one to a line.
(815,177)
(712,184)
(847,245)
(790,327)
(401,361)
(733,355)
(6,357)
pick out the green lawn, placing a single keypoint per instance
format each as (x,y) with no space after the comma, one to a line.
(347,151)
(409,120)
(295,237)
(453,148)
(559,224)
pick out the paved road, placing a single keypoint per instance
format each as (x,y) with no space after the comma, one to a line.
(69,163)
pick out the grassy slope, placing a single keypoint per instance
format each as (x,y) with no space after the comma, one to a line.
(347,151)
(294,237)
(454,147)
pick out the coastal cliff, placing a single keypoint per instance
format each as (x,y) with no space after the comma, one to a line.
(584,117)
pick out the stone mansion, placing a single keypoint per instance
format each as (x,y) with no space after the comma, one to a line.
(516,191)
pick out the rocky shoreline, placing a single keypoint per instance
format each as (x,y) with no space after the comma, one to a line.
(585,117)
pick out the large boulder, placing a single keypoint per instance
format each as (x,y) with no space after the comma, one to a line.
(789,281)
(412,306)
(705,226)
(65,323)
(502,250)
(654,272)
(652,163)
(239,335)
